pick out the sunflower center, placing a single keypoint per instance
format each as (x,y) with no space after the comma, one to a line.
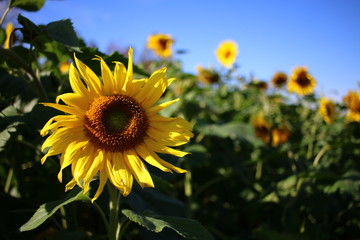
(163,43)
(303,79)
(227,54)
(116,123)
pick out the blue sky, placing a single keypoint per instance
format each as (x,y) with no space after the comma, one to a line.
(272,35)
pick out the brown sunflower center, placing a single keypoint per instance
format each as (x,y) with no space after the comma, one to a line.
(116,123)
(163,43)
(303,79)
(227,54)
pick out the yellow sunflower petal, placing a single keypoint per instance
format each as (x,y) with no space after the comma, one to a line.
(161,148)
(74,100)
(161,106)
(154,88)
(118,173)
(103,180)
(70,185)
(138,169)
(153,159)
(95,167)
(107,77)
(119,76)
(90,78)
(129,74)
(66,109)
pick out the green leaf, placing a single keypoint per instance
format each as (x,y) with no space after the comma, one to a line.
(63,32)
(2,36)
(46,210)
(28,5)
(187,228)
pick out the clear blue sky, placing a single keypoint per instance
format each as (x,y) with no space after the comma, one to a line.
(272,34)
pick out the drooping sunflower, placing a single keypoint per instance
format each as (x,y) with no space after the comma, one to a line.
(161,44)
(352,102)
(262,128)
(112,127)
(327,110)
(301,82)
(9,37)
(207,76)
(279,79)
(279,135)
(226,53)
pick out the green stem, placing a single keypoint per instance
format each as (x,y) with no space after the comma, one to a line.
(5,13)
(114,224)
(8,180)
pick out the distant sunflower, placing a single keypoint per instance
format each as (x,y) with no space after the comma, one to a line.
(226,53)
(279,136)
(207,76)
(9,36)
(279,79)
(327,110)
(301,81)
(352,102)
(161,44)
(262,128)
(112,127)
(64,67)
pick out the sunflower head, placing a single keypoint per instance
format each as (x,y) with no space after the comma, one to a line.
(207,76)
(301,82)
(262,128)
(327,110)
(226,53)
(9,35)
(352,102)
(64,67)
(279,135)
(160,44)
(112,127)
(279,79)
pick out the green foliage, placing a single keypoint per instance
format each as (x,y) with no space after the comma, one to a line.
(241,184)
(46,210)
(28,5)
(187,228)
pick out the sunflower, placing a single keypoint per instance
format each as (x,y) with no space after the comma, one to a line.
(9,37)
(279,136)
(207,76)
(64,67)
(352,102)
(226,53)
(301,82)
(262,128)
(279,79)
(112,127)
(327,110)
(161,44)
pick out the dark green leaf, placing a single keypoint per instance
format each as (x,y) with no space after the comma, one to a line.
(28,5)
(2,36)
(46,210)
(187,228)
(63,32)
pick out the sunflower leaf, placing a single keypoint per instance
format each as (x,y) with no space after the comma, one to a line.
(46,210)
(28,5)
(63,32)
(187,228)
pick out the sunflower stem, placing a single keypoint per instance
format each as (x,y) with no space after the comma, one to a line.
(114,206)
(5,12)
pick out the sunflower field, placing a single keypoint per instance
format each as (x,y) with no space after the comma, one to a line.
(96,146)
